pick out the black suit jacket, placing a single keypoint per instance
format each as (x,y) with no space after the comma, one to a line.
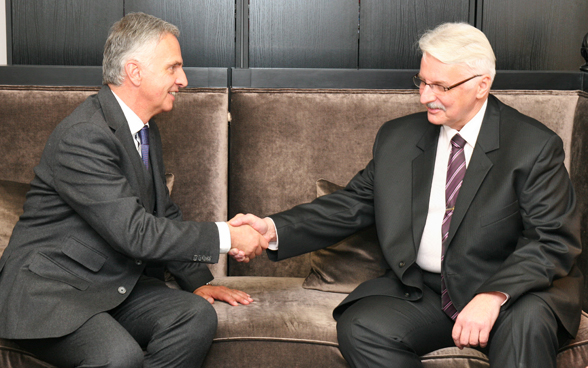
(92,221)
(515,228)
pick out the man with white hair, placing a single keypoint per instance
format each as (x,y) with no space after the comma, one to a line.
(476,217)
(77,285)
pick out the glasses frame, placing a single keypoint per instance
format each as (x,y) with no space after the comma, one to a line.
(419,83)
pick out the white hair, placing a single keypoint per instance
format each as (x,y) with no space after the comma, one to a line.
(133,37)
(460,43)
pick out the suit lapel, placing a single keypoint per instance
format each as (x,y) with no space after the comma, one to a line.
(118,123)
(422,176)
(156,161)
(480,164)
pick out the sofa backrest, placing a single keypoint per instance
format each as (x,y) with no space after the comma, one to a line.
(283,140)
(194,134)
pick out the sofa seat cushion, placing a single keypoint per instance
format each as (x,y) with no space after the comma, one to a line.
(285,326)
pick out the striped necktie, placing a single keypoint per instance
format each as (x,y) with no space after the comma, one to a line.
(144,138)
(456,169)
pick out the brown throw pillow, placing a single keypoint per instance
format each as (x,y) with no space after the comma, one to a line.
(12,198)
(342,266)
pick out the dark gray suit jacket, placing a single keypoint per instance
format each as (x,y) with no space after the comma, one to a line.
(515,228)
(92,221)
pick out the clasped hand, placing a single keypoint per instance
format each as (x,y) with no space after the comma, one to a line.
(250,235)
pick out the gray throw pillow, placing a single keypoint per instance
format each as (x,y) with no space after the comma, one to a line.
(342,266)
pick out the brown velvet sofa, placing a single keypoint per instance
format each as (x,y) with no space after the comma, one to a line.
(281,142)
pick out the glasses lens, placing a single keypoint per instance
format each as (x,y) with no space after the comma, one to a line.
(418,82)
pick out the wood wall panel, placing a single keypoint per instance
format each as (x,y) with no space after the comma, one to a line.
(390,29)
(61,32)
(207,28)
(303,33)
(536,34)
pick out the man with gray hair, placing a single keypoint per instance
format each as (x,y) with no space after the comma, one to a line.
(77,285)
(476,217)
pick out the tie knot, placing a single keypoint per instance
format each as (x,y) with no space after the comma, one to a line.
(458,141)
(144,135)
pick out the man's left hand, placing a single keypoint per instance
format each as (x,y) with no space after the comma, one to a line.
(222,293)
(474,323)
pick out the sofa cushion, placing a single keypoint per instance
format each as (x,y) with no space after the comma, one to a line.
(12,198)
(342,266)
(285,326)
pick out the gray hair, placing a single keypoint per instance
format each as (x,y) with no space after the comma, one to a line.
(133,37)
(460,43)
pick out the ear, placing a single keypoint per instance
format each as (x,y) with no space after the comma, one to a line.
(484,86)
(133,72)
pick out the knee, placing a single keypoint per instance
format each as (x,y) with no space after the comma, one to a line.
(123,356)
(198,315)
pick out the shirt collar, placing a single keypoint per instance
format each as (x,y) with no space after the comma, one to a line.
(471,130)
(134,121)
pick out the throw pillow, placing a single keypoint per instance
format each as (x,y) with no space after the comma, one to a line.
(12,198)
(341,267)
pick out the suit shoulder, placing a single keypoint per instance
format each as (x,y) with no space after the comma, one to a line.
(516,120)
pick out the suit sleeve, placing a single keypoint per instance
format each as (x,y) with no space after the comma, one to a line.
(550,243)
(88,174)
(326,220)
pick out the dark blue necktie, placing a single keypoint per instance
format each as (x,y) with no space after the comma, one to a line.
(144,138)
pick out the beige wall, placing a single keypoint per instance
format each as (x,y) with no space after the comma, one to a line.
(3,32)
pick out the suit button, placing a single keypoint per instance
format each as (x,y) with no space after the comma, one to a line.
(138,262)
(122,290)
(407,295)
(401,264)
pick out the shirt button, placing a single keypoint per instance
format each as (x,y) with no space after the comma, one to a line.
(407,295)
(122,290)
(138,262)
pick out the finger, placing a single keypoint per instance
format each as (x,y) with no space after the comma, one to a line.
(242,220)
(484,337)
(456,334)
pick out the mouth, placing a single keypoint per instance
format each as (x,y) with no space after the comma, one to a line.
(172,93)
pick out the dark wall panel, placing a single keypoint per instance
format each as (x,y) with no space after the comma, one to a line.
(61,32)
(536,34)
(207,28)
(389,29)
(303,33)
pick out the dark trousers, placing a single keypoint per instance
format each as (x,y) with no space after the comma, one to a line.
(174,327)
(381,331)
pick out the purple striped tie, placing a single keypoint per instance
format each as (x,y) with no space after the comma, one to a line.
(456,169)
(144,138)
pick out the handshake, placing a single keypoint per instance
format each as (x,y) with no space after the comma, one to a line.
(250,236)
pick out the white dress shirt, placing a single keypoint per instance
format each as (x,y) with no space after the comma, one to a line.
(135,125)
(429,256)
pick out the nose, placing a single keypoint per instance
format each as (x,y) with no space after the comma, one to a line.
(427,95)
(181,80)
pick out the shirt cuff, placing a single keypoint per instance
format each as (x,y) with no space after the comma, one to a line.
(273,245)
(224,236)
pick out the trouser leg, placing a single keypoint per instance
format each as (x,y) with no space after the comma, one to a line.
(175,327)
(101,342)
(381,331)
(526,335)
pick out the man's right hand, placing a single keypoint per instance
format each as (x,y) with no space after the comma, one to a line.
(264,226)
(246,243)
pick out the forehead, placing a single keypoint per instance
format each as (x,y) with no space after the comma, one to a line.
(168,50)
(436,71)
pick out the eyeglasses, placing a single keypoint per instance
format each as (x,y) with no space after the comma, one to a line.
(437,88)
